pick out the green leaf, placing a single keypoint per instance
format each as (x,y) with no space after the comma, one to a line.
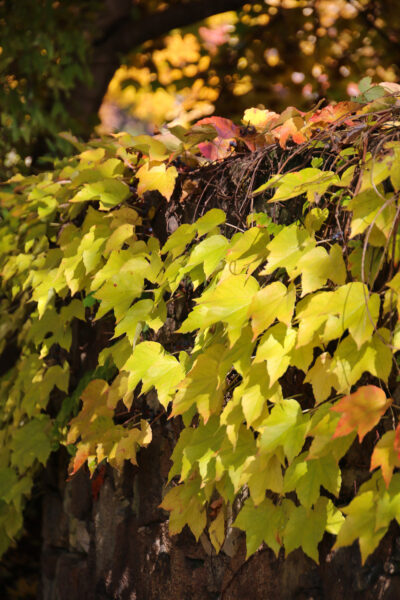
(364,84)
(132,322)
(316,473)
(360,523)
(261,524)
(307,538)
(31,442)
(110,192)
(210,220)
(8,479)
(207,253)
(287,427)
(216,531)
(310,180)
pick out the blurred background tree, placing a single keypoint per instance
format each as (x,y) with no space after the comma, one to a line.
(144,63)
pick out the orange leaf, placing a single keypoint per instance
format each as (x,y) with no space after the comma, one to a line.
(291,127)
(385,456)
(396,444)
(361,411)
(80,458)
(330,114)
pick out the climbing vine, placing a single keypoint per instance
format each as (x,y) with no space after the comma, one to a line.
(270,336)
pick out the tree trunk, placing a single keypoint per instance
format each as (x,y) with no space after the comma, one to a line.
(108,539)
(119,32)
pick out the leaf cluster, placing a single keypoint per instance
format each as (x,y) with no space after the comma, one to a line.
(275,347)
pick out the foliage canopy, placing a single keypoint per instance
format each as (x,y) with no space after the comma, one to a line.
(269,332)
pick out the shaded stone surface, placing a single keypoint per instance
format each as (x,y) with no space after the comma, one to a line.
(112,543)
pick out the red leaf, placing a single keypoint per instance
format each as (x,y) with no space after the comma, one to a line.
(97,482)
(220,146)
(361,411)
(225,128)
(217,149)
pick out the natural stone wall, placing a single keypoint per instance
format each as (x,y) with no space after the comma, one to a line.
(108,539)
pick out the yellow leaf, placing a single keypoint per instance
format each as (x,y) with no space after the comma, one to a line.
(153,176)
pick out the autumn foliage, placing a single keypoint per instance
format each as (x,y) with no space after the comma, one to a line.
(268,331)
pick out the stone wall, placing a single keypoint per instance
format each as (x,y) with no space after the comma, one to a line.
(107,539)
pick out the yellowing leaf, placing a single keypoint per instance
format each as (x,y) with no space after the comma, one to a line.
(202,385)
(375,171)
(153,176)
(118,237)
(270,303)
(177,242)
(361,411)
(367,208)
(361,523)
(263,473)
(321,377)
(315,267)
(147,144)
(208,253)
(259,119)
(385,456)
(254,392)
(229,302)
(275,347)
(186,505)
(349,362)
(131,322)
(152,365)
(312,181)
(31,442)
(118,294)
(210,220)
(247,250)
(287,427)
(286,248)
(216,531)
(110,192)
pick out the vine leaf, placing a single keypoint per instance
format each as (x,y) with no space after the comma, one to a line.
(361,523)
(261,523)
(385,455)
(153,176)
(361,411)
(274,301)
